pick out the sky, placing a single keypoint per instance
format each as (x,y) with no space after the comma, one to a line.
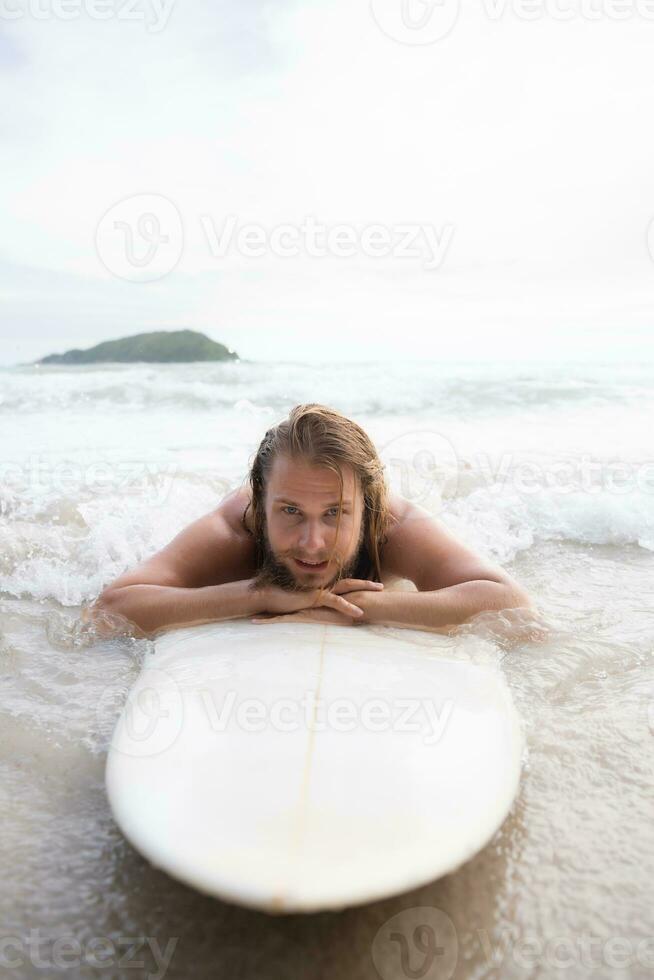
(358,179)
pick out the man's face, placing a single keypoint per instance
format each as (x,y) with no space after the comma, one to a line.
(301,508)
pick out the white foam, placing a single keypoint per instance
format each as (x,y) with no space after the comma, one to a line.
(103,466)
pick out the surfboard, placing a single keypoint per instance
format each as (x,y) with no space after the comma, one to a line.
(297,767)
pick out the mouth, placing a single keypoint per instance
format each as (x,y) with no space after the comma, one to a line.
(311,566)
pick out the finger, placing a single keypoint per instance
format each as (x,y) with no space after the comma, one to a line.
(342,605)
(355,584)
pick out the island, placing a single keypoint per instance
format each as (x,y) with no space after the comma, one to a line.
(159,347)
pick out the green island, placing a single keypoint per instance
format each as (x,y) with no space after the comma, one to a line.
(161,346)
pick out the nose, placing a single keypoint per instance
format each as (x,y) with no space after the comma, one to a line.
(312,538)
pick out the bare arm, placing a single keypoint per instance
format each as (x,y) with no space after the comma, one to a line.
(454,584)
(203,575)
(441,609)
(153,608)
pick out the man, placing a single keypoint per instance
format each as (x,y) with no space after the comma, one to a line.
(314,536)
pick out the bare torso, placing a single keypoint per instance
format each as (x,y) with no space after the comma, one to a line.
(419,554)
(419,551)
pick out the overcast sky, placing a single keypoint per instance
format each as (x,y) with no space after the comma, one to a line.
(511,157)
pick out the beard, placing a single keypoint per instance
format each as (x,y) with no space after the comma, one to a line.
(274,572)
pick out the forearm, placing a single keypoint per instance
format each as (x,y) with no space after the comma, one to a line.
(441,608)
(152,608)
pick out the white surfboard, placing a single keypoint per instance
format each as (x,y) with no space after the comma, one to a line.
(294,767)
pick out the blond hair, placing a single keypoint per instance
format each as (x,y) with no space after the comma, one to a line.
(325,437)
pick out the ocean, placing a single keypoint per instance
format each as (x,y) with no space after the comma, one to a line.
(547,470)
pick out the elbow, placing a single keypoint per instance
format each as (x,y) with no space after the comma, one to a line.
(104,607)
(513,594)
(519,598)
(106,601)
(527,622)
(108,614)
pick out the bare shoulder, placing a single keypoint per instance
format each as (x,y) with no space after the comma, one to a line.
(400,509)
(421,548)
(213,549)
(232,509)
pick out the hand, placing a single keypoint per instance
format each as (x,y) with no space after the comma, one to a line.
(283,601)
(319,615)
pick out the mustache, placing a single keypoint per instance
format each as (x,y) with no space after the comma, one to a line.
(274,572)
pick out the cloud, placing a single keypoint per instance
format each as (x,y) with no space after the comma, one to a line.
(529,138)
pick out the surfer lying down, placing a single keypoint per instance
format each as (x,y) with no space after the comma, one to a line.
(313,536)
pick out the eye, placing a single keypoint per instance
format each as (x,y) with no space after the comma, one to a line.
(288,508)
(335,509)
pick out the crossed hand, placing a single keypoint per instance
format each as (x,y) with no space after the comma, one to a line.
(318,605)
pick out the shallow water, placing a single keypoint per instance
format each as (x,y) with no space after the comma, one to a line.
(102,466)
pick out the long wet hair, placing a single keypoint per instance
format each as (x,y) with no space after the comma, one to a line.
(325,437)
